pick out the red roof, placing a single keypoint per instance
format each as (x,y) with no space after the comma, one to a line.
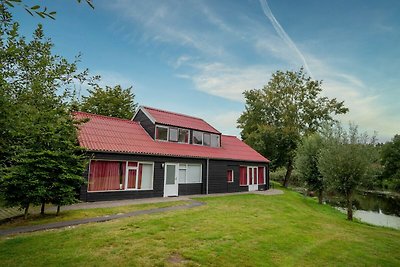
(179,120)
(108,134)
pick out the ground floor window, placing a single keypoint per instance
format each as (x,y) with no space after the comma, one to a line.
(249,175)
(189,173)
(229,176)
(120,175)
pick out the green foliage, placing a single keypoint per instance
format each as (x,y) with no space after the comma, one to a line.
(391,163)
(306,163)
(34,9)
(278,115)
(41,160)
(110,101)
(344,161)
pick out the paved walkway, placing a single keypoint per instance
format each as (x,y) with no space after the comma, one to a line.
(104,204)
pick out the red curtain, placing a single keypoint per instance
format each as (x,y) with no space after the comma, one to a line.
(104,175)
(140,176)
(132,164)
(261,175)
(131,179)
(229,176)
(243,175)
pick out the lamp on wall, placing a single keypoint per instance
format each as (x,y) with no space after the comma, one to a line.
(162,165)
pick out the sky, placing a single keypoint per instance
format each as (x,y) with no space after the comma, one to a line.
(197,57)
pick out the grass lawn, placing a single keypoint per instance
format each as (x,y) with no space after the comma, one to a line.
(236,230)
(68,215)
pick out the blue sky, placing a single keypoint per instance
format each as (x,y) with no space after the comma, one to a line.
(197,57)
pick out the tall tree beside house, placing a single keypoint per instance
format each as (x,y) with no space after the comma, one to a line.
(391,163)
(110,101)
(40,152)
(278,115)
(344,162)
(306,162)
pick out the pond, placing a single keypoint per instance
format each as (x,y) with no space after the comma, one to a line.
(374,208)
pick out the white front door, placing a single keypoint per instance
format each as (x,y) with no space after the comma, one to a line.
(252,174)
(171,179)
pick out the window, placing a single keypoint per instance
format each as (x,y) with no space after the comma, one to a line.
(120,175)
(106,175)
(173,134)
(189,173)
(183,136)
(162,133)
(261,175)
(243,175)
(197,138)
(229,176)
(215,140)
(206,139)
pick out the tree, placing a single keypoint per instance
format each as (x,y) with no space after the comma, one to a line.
(110,101)
(40,153)
(306,162)
(33,9)
(344,162)
(278,115)
(391,163)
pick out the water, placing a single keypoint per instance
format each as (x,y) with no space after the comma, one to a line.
(373,208)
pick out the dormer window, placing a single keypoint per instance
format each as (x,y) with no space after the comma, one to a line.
(183,136)
(206,139)
(173,134)
(215,142)
(162,133)
(197,138)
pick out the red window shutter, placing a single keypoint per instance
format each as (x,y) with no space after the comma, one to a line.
(243,175)
(261,175)
(104,175)
(229,176)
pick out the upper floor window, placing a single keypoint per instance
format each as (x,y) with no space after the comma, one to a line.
(197,138)
(162,133)
(215,142)
(173,134)
(183,136)
(207,139)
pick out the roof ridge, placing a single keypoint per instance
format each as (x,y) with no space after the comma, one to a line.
(176,113)
(104,116)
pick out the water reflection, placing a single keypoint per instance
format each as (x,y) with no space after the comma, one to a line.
(377,209)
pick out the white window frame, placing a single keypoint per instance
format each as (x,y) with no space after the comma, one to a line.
(155,133)
(188,131)
(248,173)
(137,175)
(201,138)
(233,175)
(185,167)
(177,134)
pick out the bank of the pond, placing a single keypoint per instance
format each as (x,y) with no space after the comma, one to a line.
(376,208)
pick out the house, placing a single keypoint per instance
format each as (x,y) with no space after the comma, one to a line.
(160,154)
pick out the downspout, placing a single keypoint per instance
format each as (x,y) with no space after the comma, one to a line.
(208,162)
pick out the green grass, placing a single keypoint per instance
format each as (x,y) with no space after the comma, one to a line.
(236,230)
(68,215)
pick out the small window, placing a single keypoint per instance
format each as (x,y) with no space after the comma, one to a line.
(183,136)
(197,138)
(229,176)
(173,134)
(215,140)
(243,176)
(161,133)
(193,173)
(206,139)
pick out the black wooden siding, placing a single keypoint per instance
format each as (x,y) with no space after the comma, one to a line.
(146,123)
(217,182)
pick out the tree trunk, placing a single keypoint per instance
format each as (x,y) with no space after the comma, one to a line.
(289,170)
(42,208)
(58,210)
(320,196)
(349,207)
(26,211)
